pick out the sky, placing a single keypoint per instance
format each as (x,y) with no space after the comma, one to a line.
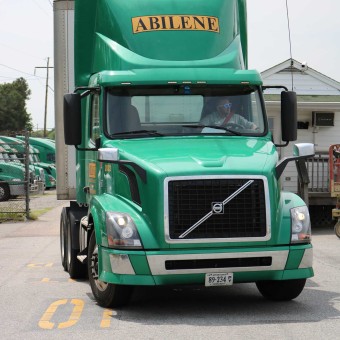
(26,41)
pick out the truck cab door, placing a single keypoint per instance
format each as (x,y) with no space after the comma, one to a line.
(92,167)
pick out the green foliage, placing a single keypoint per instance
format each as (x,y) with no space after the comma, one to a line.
(13,111)
(40,133)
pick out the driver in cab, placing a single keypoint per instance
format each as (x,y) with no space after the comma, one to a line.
(224,116)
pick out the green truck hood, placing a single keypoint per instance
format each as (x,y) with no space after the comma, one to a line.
(175,156)
(10,170)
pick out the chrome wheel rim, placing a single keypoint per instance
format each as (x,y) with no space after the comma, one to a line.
(101,285)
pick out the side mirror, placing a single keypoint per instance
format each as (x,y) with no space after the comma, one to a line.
(289,116)
(108,155)
(111,155)
(72,119)
(304,150)
(300,151)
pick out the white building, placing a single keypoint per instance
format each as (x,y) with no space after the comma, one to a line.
(318,97)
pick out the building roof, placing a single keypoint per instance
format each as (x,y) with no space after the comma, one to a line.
(304,80)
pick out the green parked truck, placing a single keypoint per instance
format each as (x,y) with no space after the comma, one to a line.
(12,176)
(49,168)
(160,193)
(45,172)
(45,146)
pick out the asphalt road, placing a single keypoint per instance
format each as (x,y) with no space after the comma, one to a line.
(39,301)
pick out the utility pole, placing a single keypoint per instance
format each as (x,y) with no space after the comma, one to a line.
(46,93)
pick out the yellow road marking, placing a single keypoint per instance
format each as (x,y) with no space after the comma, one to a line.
(106,319)
(40,265)
(45,322)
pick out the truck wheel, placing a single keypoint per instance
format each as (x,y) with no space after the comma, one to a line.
(4,192)
(281,290)
(337,229)
(75,268)
(106,294)
(63,240)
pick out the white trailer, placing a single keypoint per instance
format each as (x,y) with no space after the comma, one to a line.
(63,83)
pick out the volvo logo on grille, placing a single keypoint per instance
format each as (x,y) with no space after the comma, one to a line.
(217,208)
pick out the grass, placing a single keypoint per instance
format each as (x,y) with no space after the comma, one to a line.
(34,215)
(20,217)
(17,217)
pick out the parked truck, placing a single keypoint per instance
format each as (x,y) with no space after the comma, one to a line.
(12,176)
(158,194)
(44,171)
(45,146)
(49,168)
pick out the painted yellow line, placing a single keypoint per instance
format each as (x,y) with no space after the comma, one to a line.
(106,319)
(75,315)
(45,321)
(40,265)
(47,279)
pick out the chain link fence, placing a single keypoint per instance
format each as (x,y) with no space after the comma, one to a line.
(19,179)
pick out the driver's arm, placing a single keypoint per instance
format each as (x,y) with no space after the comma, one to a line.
(245,123)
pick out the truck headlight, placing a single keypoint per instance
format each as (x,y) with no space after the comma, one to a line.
(301,227)
(121,231)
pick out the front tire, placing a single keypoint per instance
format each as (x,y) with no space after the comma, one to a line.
(106,294)
(75,268)
(281,290)
(63,238)
(4,192)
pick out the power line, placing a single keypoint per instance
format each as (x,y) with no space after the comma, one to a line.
(42,9)
(14,69)
(20,51)
(290,46)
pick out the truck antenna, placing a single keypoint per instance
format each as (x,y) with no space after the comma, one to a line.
(290,47)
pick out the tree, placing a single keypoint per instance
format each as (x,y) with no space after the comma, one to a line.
(40,133)
(13,111)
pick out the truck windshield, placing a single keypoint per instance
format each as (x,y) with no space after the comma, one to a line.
(184,110)
(50,157)
(14,158)
(5,157)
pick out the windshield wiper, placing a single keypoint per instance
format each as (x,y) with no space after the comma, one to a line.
(214,127)
(137,132)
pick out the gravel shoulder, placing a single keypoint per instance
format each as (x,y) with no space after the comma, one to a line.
(45,201)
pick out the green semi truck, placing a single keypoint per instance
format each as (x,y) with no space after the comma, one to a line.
(45,172)
(12,178)
(12,175)
(45,146)
(49,168)
(160,193)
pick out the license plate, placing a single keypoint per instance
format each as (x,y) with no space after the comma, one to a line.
(219,279)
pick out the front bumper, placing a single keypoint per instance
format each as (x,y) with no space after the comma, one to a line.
(34,186)
(17,189)
(190,267)
(50,184)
